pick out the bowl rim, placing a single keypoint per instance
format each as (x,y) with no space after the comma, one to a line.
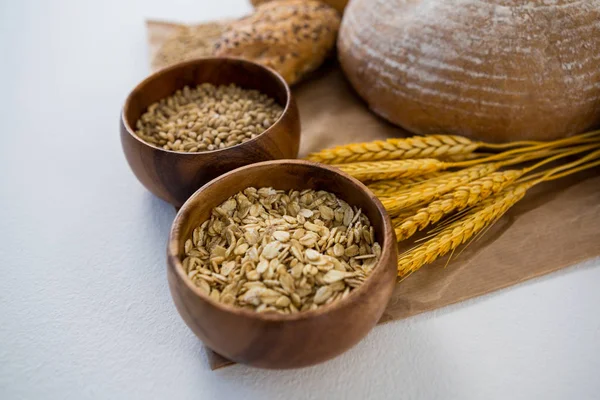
(174,262)
(274,74)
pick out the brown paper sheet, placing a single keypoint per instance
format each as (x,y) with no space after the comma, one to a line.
(555,226)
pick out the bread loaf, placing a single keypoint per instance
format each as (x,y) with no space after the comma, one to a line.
(497,70)
(293,36)
(337,4)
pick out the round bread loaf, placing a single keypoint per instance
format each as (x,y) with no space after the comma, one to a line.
(337,4)
(497,70)
(293,36)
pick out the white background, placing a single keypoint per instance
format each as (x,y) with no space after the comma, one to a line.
(85,310)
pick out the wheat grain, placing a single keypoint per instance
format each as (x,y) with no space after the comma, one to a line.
(390,187)
(433,188)
(462,230)
(465,157)
(460,198)
(207,118)
(397,220)
(433,146)
(380,170)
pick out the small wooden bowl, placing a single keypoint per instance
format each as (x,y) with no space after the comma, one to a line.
(282,340)
(174,176)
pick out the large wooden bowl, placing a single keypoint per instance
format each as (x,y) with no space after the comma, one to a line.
(174,176)
(282,340)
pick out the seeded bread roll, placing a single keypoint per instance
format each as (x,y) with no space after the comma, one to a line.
(293,36)
(337,4)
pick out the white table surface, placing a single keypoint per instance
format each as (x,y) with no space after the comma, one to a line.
(85,311)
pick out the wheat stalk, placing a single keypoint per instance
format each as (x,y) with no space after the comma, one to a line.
(433,188)
(525,151)
(380,170)
(390,187)
(460,198)
(447,147)
(465,157)
(433,146)
(416,193)
(404,215)
(488,211)
(459,232)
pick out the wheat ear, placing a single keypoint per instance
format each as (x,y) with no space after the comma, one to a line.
(380,170)
(433,146)
(460,198)
(447,147)
(466,157)
(433,188)
(460,231)
(390,187)
(399,219)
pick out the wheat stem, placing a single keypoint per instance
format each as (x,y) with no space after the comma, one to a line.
(531,152)
(525,143)
(509,145)
(572,171)
(561,154)
(543,175)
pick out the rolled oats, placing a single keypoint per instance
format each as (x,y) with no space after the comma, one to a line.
(274,251)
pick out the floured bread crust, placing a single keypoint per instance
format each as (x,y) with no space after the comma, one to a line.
(497,70)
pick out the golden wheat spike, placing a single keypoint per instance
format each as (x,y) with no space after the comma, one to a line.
(460,231)
(433,188)
(465,157)
(460,198)
(390,187)
(433,146)
(380,170)
(399,219)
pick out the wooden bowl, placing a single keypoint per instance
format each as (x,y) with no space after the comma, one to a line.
(174,176)
(282,340)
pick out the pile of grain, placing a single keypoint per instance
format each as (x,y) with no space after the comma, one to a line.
(271,250)
(207,118)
